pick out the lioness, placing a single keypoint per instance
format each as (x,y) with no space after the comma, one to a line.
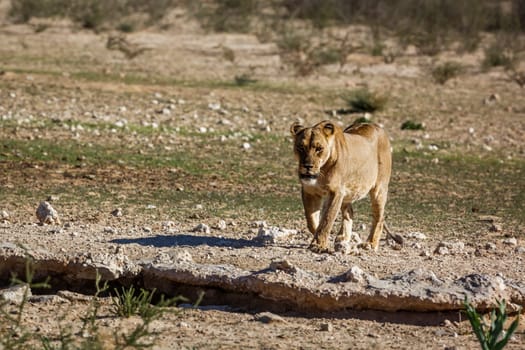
(341,167)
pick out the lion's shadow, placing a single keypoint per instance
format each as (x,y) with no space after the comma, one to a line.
(188,240)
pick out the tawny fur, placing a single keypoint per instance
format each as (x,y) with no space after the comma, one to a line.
(337,168)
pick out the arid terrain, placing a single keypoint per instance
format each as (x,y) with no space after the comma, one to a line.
(137,154)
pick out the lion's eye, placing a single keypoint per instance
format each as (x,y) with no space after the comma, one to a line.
(319,149)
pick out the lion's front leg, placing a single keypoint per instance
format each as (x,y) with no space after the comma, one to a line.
(312,207)
(330,209)
(347,241)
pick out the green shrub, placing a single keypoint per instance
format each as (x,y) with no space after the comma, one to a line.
(497,55)
(410,125)
(448,70)
(244,79)
(491,336)
(363,100)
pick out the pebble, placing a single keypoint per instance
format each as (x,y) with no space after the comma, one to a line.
(4,216)
(117,212)
(416,235)
(490,246)
(246,146)
(520,250)
(495,227)
(221,225)
(445,248)
(109,229)
(201,228)
(268,317)
(326,327)
(511,241)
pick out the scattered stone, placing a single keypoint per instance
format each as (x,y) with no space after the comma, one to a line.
(15,294)
(511,241)
(416,235)
(268,317)
(492,99)
(48,299)
(445,248)
(203,228)
(282,265)
(326,327)
(199,207)
(221,225)
(246,146)
(109,229)
(273,234)
(73,296)
(46,214)
(489,218)
(258,224)
(147,229)
(4,217)
(117,212)
(356,275)
(214,106)
(52,198)
(495,227)
(520,250)
(425,254)
(151,206)
(490,246)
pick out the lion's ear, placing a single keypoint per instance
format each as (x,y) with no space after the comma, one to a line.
(328,128)
(295,128)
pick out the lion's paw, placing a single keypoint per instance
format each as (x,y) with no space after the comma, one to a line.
(346,248)
(319,249)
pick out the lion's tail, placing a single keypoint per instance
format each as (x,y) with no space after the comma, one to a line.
(395,236)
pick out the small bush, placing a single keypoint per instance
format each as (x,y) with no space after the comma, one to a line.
(410,125)
(244,79)
(497,55)
(491,336)
(363,100)
(448,70)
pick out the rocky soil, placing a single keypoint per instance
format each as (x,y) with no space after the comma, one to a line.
(263,288)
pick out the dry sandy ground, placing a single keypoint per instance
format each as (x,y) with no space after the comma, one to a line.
(28,89)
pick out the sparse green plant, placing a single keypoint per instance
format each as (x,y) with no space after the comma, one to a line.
(498,55)
(445,71)
(13,334)
(491,336)
(411,125)
(126,27)
(364,100)
(244,79)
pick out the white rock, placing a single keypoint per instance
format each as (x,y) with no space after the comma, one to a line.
(214,106)
(203,228)
(15,294)
(46,214)
(271,235)
(356,275)
(511,241)
(246,146)
(4,216)
(416,235)
(221,225)
(109,229)
(445,248)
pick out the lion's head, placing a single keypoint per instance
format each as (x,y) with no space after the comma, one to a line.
(312,147)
